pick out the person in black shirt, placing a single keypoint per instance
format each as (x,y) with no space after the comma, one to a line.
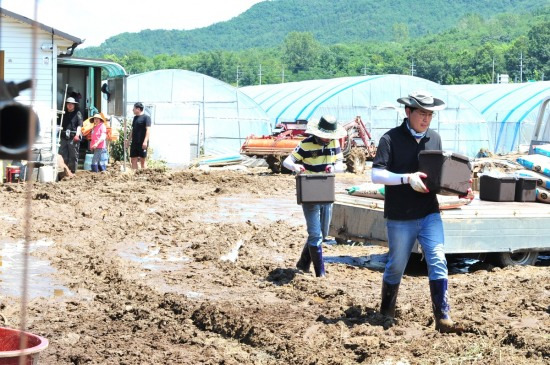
(411,210)
(71,124)
(139,139)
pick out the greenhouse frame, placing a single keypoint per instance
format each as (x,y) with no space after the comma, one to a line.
(462,127)
(194,115)
(510,111)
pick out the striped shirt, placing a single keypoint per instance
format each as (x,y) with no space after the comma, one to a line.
(316,157)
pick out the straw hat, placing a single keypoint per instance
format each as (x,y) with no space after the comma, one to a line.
(100,116)
(326,127)
(422,100)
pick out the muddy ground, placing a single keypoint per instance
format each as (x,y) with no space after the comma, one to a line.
(194,267)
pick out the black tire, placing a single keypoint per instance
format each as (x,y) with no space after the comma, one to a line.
(275,163)
(356,161)
(503,259)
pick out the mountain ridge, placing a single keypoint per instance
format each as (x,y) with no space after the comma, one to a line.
(267,23)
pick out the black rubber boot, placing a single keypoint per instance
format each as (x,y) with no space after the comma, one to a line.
(441,308)
(304,262)
(316,253)
(389,298)
(95,168)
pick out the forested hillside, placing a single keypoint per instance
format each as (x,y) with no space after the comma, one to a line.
(474,50)
(266,24)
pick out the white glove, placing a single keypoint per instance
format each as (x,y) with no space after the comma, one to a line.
(299,168)
(329,169)
(415,180)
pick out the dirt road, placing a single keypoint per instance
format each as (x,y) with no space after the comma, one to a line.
(194,267)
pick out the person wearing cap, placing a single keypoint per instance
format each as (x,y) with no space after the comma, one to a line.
(320,152)
(98,145)
(71,124)
(139,138)
(410,209)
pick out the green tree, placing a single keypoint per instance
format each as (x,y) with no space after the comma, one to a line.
(539,49)
(513,58)
(301,51)
(400,32)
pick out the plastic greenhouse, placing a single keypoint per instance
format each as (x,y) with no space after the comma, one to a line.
(374,98)
(509,109)
(194,114)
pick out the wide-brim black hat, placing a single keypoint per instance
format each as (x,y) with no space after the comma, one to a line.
(422,100)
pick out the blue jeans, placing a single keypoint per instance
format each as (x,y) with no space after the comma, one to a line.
(401,238)
(98,159)
(318,218)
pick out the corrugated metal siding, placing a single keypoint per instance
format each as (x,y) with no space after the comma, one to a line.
(16,40)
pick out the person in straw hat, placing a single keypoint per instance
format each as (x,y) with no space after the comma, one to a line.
(412,211)
(98,144)
(71,124)
(320,152)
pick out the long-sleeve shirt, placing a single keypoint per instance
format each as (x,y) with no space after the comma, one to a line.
(99,135)
(315,157)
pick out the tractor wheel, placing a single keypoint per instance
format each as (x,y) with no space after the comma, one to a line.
(356,161)
(346,149)
(275,163)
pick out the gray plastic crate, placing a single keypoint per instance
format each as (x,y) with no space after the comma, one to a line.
(447,172)
(315,188)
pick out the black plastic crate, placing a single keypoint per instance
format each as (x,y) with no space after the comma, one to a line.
(497,189)
(315,188)
(447,172)
(526,189)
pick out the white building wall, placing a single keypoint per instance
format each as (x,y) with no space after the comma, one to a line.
(18,40)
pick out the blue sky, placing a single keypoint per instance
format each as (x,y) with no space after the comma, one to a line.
(97,20)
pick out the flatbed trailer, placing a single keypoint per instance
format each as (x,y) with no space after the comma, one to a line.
(509,233)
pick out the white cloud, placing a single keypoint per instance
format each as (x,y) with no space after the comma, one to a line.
(98,20)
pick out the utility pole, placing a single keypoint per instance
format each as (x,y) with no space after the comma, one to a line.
(237,77)
(260,74)
(412,66)
(283,75)
(521,67)
(365,70)
(493,76)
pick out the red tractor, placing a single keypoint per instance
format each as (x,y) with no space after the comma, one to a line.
(357,146)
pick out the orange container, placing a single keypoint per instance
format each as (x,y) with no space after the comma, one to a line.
(112,134)
(87,127)
(9,347)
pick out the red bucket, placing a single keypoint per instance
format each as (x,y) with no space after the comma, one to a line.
(9,347)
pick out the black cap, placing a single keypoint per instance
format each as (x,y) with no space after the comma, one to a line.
(138,105)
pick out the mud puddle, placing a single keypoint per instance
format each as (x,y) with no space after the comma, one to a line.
(149,256)
(39,282)
(256,210)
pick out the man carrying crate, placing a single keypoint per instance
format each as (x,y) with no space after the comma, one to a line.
(319,153)
(410,209)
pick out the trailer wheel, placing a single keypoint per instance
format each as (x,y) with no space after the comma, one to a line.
(503,259)
(356,161)
(274,163)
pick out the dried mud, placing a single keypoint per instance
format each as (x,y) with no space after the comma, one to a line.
(146,260)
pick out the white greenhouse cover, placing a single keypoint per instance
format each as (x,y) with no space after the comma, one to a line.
(509,109)
(374,98)
(194,114)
